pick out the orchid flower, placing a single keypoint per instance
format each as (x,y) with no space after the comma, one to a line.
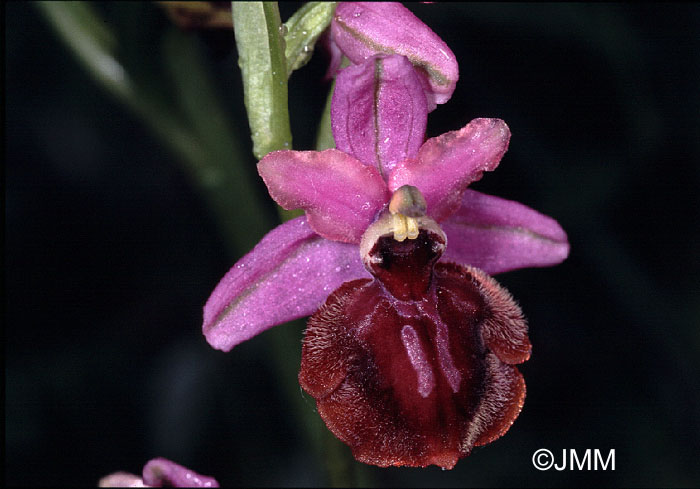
(297,265)
(411,348)
(159,472)
(410,360)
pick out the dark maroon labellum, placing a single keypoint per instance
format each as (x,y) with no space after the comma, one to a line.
(416,367)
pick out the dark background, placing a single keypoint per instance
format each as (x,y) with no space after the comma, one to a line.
(111,253)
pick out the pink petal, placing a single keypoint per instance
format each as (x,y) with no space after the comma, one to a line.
(447,164)
(161,472)
(121,479)
(498,235)
(340,195)
(363,29)
(286,276)
(379,112)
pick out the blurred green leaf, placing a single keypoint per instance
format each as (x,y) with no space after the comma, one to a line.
(193,125)
(81,28)
(87,35)
(224,170)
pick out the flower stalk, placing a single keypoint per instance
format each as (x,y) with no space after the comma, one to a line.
(261,57)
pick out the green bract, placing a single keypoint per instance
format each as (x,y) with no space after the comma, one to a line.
(302,31)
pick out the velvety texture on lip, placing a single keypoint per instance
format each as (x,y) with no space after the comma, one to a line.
(379,112)
(363,29)
(415,367)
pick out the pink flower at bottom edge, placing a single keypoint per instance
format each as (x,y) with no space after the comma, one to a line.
(159,472)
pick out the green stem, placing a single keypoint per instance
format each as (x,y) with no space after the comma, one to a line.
(260,44)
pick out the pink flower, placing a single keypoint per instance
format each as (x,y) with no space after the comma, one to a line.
(412,346)
(159,472)
(294,268)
